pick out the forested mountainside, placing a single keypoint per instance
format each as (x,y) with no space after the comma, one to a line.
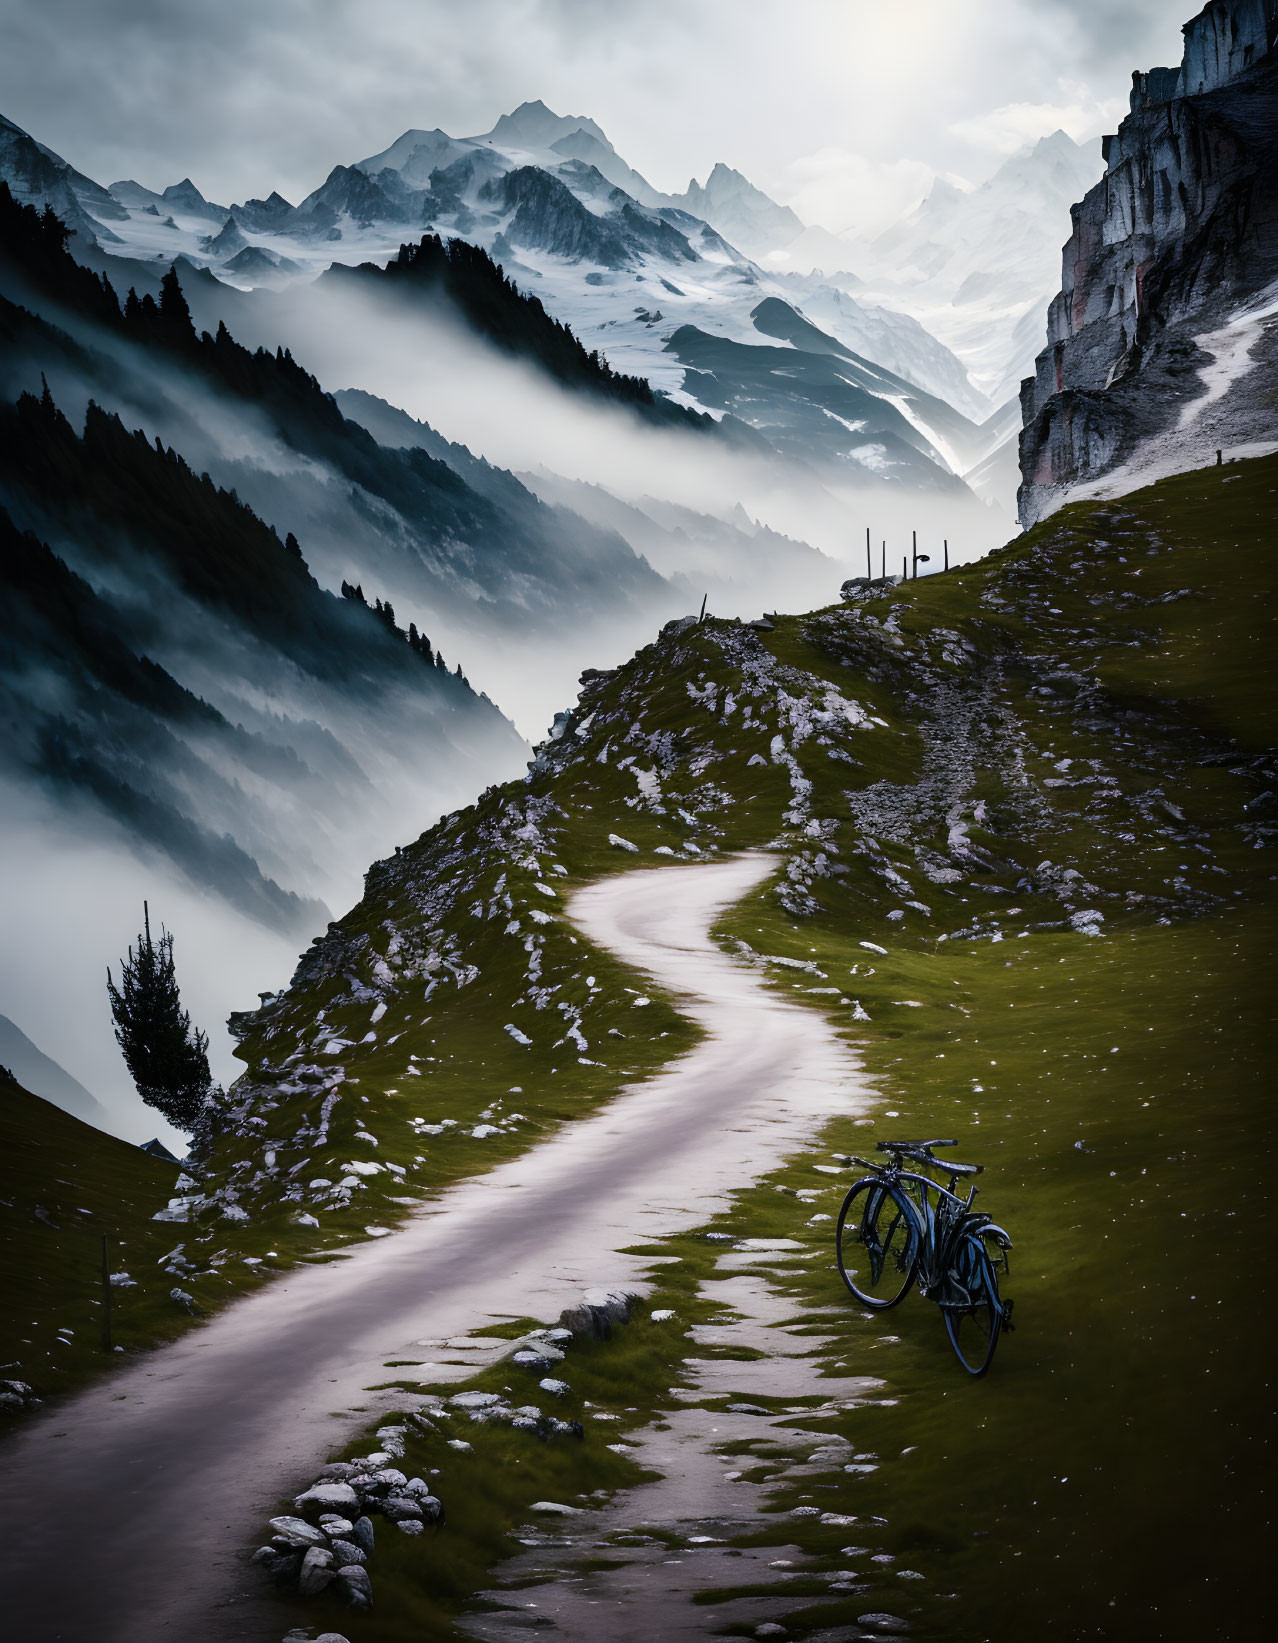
(465,275)
(395,514)
(241,617)
(178,672)
(1163,343)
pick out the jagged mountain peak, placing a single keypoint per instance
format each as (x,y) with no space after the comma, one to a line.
(723,173)
(1051,161)
(533,125)
(1059,139)
(184,191)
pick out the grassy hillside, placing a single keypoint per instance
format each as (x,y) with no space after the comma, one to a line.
(1041,787)
(64,1186)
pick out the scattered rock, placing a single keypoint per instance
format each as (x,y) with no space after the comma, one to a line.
(295,1531)
(338,1471)
(398,1507)
(883,1622)
(281,1566)
(337,1498)
(347,1552)
(409,1526)
(355,1586)
(362,1534)
(554,1508)
(316,1572)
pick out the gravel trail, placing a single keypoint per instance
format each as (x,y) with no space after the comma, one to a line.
(128,1511)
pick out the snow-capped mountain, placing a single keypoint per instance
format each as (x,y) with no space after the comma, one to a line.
(740,211)
(978,268)
(550,199)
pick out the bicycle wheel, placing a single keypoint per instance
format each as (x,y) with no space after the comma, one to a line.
(877,1243)
(970,1301)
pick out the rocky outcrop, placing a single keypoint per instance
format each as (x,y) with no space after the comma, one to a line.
(1157,341)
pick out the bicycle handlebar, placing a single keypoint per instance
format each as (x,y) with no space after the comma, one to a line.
(911,1146)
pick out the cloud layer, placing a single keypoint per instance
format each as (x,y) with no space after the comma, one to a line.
(246,97)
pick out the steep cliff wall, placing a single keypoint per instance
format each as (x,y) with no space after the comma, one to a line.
(1159,345)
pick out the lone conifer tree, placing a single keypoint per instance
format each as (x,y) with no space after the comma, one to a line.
(167,1057)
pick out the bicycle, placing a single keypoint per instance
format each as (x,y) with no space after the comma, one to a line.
(897,1227)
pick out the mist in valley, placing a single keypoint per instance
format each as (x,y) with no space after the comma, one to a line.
(257,822)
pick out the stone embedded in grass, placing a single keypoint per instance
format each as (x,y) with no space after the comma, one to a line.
(355,1586)
(554,1508)
(296,1532)
(316,1572)
(537,1357)
(883,1622)
(338,1498)
(559,1389)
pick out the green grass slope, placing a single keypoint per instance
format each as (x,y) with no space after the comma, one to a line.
(63,1187)
(1041,787)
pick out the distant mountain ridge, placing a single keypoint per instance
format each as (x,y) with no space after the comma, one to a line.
(550,200)
(40,1074)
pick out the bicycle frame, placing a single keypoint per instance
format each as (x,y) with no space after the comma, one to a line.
(943,1219)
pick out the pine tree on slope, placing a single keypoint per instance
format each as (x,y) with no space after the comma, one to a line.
(167,1057)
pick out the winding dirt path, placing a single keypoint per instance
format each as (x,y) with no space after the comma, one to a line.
(125,1511)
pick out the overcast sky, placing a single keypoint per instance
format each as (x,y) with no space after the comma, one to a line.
(841,106)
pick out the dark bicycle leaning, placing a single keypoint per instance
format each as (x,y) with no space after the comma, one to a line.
(898,1227)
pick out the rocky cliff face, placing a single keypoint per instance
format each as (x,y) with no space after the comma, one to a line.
(1162,342)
